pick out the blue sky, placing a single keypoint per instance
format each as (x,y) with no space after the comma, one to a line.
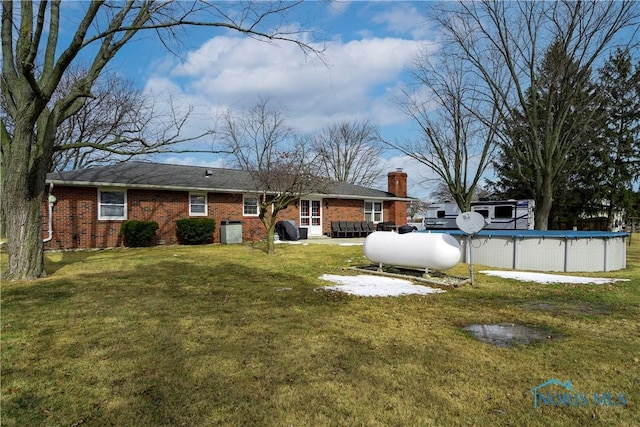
(369,45)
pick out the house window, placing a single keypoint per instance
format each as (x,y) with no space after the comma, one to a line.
(112,204)
(197,204)
(250,205)
(373,211)
(304,213)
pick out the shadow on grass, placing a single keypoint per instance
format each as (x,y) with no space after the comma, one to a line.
(173,343)
(65,258)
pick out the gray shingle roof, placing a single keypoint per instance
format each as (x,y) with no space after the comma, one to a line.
(187,178)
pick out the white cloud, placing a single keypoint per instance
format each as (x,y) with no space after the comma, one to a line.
(338,7)
(195,161)
(171,103)
(360,79)
(160,84)
(405,19)
(234,71)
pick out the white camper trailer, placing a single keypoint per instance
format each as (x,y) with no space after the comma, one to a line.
(499,215)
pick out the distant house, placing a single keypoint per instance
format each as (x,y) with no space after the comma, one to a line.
(90,204)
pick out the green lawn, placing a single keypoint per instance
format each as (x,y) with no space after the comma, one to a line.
(226,335)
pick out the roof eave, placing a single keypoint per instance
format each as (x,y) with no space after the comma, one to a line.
(359,197)
(144,186)
(212,190)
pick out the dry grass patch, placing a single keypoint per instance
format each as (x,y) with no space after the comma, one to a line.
(226,335)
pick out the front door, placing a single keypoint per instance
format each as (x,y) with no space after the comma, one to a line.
(311,216)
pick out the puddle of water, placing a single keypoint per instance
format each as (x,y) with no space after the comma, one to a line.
(508,334)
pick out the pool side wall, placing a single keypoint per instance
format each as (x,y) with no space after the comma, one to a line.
(570,252)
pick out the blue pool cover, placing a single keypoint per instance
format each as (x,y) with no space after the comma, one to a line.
(533,234)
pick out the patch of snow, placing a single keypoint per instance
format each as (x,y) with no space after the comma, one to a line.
(548,278)
(376,286)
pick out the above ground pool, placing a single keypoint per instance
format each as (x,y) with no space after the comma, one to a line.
(545,250)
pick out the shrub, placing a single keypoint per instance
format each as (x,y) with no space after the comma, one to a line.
(138,233)
(196,231)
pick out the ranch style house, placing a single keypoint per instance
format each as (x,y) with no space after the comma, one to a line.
(85,208)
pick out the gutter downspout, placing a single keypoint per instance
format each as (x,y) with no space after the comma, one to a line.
(52,200)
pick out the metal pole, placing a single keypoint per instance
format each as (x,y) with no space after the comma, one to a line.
(470,259)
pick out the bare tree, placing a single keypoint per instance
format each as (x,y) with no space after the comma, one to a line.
(456,128)
(350,152)
(34,61)
(117,123)
(504,44)
(278,159)
(417,208)
(441,193)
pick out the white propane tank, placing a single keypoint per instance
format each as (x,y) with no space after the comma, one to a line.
(434,251)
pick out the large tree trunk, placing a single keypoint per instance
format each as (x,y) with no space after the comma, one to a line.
(24,242)
(543,206)
(271,245)
(268,217)
(23,183)
(269,222)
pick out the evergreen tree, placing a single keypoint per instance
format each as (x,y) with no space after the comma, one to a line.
(618,161)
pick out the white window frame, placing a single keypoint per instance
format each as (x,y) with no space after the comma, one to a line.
(245,198)
(102,217)
(369,215)
(191,204)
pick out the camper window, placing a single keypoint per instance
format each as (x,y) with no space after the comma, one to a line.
(504,211)
(483,212)
(440,214)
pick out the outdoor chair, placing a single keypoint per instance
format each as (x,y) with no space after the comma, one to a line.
(336,231)
(343,228)
(367,227)
(350,229)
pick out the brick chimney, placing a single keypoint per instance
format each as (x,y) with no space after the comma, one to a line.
(397,185)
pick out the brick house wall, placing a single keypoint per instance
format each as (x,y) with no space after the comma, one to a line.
(76,225)
(353,210)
